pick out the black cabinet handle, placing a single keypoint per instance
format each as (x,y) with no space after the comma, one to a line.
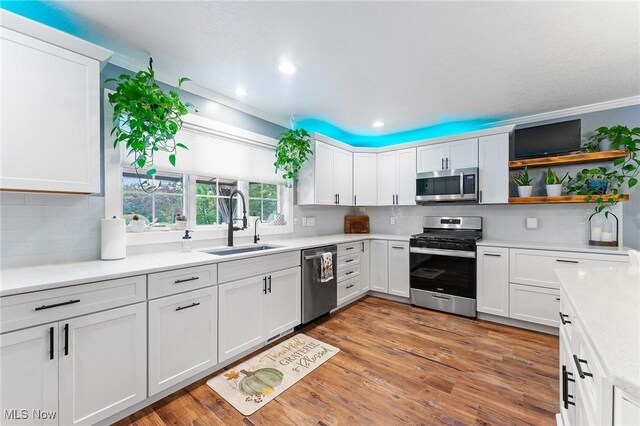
(349,248)
(349,273)
(565,387)
(55,305)
(264,285)
(442,163)
(397,247)
(349,260)
(269,283)
(50,342)
(355,200)
(66,339)
(492,255)
(186,280)
(566,261)
(579,362)
(349,286)
(563,320)
(179,308)
(338,198)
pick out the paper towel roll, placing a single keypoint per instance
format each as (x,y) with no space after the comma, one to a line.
(114,240)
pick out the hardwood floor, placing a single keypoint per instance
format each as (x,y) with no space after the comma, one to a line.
(398,365)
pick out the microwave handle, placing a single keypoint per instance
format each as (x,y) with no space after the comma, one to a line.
(461,184)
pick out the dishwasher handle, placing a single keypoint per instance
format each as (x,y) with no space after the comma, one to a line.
(318,256)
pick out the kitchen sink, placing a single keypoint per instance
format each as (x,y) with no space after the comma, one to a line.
(237,250)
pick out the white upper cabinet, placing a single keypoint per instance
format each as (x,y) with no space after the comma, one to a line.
(365,179)
(460,154)
(397,177)
(493,169)
(327,176)
(50,101)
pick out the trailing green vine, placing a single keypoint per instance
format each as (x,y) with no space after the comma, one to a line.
(294,147)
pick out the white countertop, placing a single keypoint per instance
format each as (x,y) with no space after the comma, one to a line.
(581,248)
(23,280)
(606,301)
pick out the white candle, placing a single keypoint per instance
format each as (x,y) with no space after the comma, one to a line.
(607,236)
(596,233)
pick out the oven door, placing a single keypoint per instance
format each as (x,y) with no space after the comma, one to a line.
(448,272)
(447,185)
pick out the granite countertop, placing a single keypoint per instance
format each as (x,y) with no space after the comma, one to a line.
(581,248)
(42,277)
(606,301)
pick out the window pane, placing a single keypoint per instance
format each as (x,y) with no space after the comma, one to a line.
(137,203)
(254,208)
(270,191)
(130,182)
(205,188)
(168,185)
(226,188)
(206,211)
(255,190)
(167,205)
(270,209)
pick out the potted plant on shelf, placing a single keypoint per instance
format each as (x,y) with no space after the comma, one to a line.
(146,119)
(554,184)
(523,181)
(181,222)
(294,147)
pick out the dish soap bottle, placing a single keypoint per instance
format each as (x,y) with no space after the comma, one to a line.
(186,241)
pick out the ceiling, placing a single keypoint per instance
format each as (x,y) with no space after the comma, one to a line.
(409,64)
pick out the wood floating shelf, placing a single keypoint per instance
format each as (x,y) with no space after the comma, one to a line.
(560,199)
(585,157)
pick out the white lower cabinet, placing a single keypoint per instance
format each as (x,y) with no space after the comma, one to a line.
(102,362)
(379,268)
(245,306)
(183,337)
(493,281)
(399,268)
(535,304)
(365,262)
(626,409)
(29,375)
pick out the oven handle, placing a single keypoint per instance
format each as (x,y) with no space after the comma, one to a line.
(461,184)
(443,252)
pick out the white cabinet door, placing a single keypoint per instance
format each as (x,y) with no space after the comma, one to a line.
(431,158)
(324,175)
(462,154)
(50,102)
(183,337)
(379,267)
(29,379)
(387,180)
(365,280)
(406,175)
(282,302)
(399,268)
(103,364)
(534,304)
(240,316)
(365,179)
(493,169)
(493,280)
(626,409)
(343,176)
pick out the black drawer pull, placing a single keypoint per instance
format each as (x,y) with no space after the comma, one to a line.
(50,342)
(562,318)
(566,261)
(66,339)
(179,308)
(493,255)
(349,260)
(565,387)
(349,248)
(269,283)
(264,285)
(350,272)
(349,286)
(397,247)
(186,280)
(579,362)
(55,305)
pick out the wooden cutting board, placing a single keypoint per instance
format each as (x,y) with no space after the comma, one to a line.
(356,224)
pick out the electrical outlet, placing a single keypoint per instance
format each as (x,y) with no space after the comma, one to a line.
(362,209)
(392,220)
(304,221)
(311,221)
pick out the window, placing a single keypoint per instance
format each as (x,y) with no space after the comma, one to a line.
(212,201)
(162,204)
(263,200)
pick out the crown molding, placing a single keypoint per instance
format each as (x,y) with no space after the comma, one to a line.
(567,112)
(132,65)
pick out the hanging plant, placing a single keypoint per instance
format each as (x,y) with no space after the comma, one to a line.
(294,147)
(146,118)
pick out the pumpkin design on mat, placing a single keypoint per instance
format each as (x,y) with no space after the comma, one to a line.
(260,382)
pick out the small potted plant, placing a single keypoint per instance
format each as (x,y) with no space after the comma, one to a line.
(137,225)
(523,181)
(181,222)
(554,184)
(294,146)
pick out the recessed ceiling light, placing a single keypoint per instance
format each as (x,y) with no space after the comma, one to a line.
(287,68)
(240,91)
(378,123)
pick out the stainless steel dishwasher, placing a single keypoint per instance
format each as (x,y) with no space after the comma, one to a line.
(318,298)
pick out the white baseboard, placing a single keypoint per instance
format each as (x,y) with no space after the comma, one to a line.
(519,324)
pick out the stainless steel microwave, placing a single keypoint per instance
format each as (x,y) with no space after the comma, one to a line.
(447,185)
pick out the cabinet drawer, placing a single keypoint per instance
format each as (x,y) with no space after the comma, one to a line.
(347,289)
(181,280)
(349,248)
(349,260)
(537,267)
(245,268)
(348,272)
(25,310)
(534,304)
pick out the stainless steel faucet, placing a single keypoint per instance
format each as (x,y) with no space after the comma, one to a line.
(231,219)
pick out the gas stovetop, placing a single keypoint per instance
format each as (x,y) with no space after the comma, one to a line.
(449,233)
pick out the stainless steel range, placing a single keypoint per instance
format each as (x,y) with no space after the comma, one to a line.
(443,264)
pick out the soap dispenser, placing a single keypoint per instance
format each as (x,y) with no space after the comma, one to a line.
(186,241)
